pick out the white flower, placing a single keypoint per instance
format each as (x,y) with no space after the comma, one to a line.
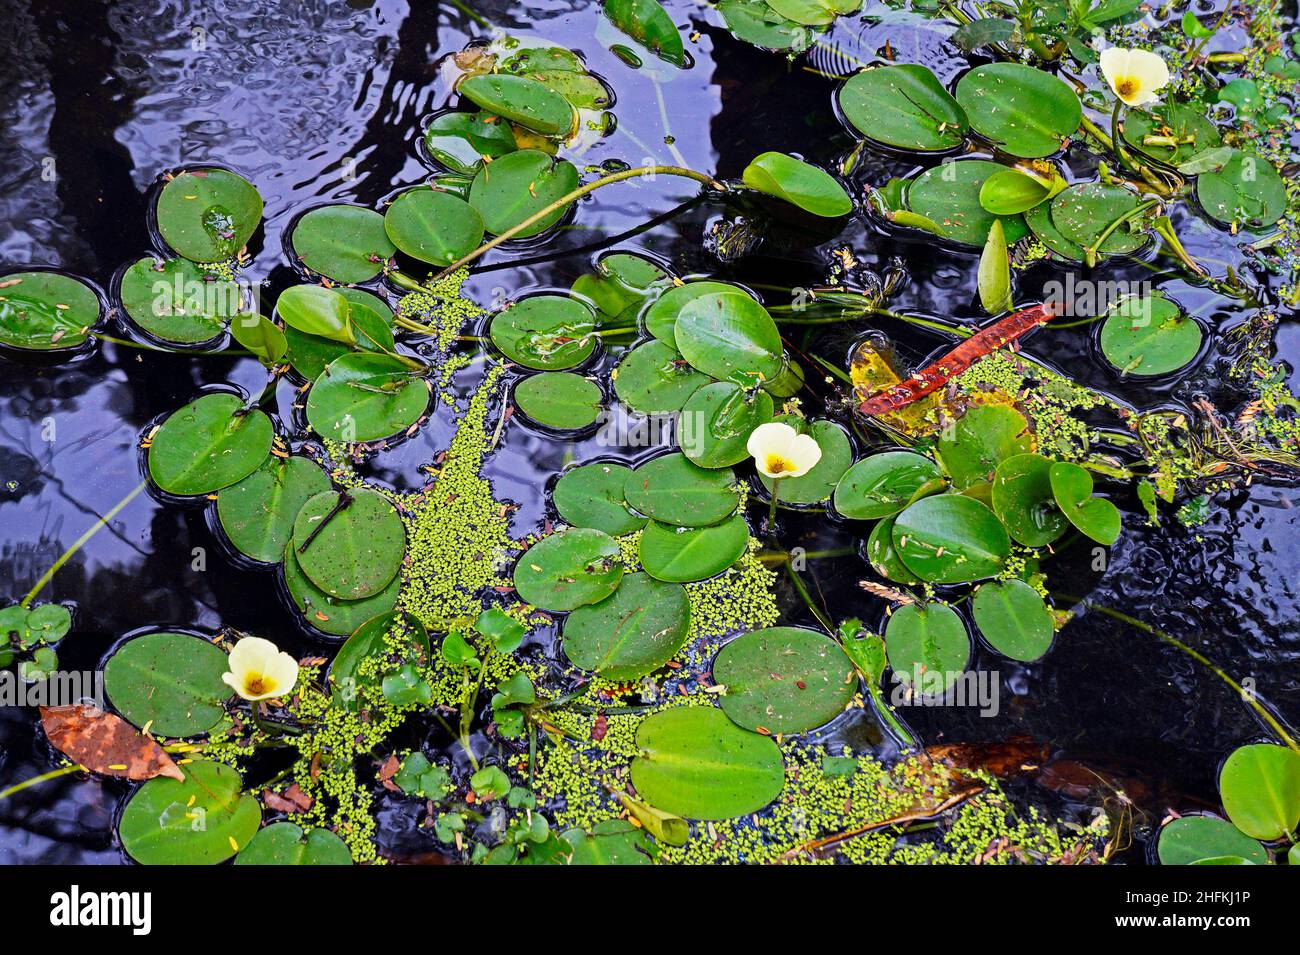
(259,670)
(780,451)
(1136,76)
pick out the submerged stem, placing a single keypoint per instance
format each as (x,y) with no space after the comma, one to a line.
(78,543)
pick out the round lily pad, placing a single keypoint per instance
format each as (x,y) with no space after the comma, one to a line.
(716,422)
(559,399)
(882,485)
(285,843)
(1025,111)
(729,334)
(257,514)
(903,106)
(982,439)
(433,226)
(1082,212)
(1245,190)
(684,554)
(817,486)
(1260,787)
(520,185)
(170,682)
(1149,335)
(350,544)
(696,763)
(329,614)
(949,196)
(202,820)
(1181,130)
(675,490)
(46,311)
(175,301)
(1095,517)
(927,645)
(883,557)
(1022,498)
(1013,617)
(545,332)
(207,215)
(661,317)
(1189,839)
(365,397)
(654,378)
(784,680)
(211,443)
(631,633)
(462,141)
(568,570)
(950,539)
(521,100)
(592,496)
(348,244)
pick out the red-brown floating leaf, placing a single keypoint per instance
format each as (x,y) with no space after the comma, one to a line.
(106,744)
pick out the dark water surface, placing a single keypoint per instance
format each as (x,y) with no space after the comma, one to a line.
(323,101)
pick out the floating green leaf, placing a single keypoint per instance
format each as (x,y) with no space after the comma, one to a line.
(569,569)
(1096,517)
(207,215)
(654,378)
(257,514)
(1014,619)
(729,334)
(370,642)
(647,22)
(170,682)
(610,842)
(685,554)
(884,558)
(366,397)
(950,539)
(1081,214)
(158,825)
(433,226)
(348,244)
(519,186)
(675,490)
(1022,498)
(1191,839)
(1149,335)
(1260,786)
(1171,132)
(44,311)
(592,496)
(546,332)
(368,320)
(559,399)
(716,422)
(994,274)
(1025,111)
(462,141)
(755,22)
(696,763)
(521,100)
(631,633)
(784,680)
(882,485)
(210,443)
(285,843)
(330,614)
(928,646)
(982,439)
(661,317)
(1015,190)
(350,544)
(948,196)
(175,301)
(904,106)
(799,183)
(316,310)
(1246,190)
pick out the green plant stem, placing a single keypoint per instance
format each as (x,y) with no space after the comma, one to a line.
(574,196)
(771,508)
(79,543)
(887,713)
(1094,250)
(471,691)
(1264,713)
(42,778)
(797,582)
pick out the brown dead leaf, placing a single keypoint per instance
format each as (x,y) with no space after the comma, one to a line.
(386,773)
(292,799)
(106,744)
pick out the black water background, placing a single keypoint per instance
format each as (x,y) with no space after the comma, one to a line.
(106,96)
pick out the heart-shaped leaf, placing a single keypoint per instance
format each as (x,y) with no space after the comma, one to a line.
(569,569)
(928,646)
(1014,619)
(904,106)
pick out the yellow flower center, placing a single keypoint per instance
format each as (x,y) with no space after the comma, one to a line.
(255,684)
(1126,86)
(777,464)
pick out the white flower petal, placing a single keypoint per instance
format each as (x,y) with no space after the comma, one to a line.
(774,437)
(804,453)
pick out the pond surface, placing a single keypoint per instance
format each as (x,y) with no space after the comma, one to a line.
(316,102)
